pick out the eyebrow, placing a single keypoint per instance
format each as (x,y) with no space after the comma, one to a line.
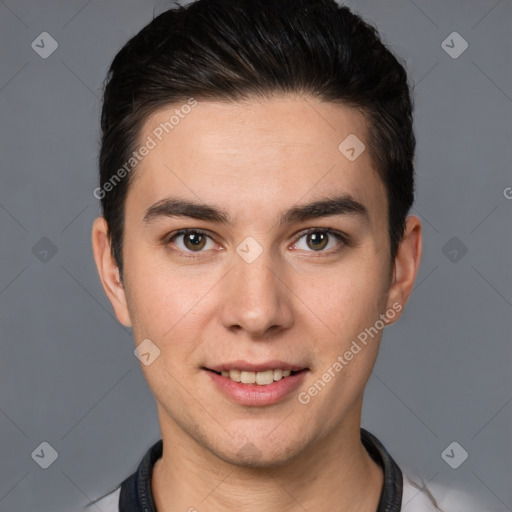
(326,207)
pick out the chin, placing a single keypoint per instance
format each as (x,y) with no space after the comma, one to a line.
(260,455)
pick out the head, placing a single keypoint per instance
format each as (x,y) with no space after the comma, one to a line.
(272,118)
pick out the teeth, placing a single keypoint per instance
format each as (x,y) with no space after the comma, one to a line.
(248,377)
(261,378)
(264,378)
(278,374)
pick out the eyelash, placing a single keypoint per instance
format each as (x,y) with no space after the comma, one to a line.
(191,254)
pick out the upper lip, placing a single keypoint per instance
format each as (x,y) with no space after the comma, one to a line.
(251,367)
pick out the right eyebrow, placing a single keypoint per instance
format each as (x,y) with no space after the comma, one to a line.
(177,207)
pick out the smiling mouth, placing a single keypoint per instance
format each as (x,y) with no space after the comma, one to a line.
(263,378)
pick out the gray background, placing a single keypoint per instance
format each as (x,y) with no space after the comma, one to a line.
(69,376)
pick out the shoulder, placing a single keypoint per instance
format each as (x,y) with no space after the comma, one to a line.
(420,496)
(107,503)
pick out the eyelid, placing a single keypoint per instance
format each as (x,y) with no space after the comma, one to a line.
(332,231)
(169,238)
(344,239)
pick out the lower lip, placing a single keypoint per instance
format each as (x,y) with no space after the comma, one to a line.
(254,394)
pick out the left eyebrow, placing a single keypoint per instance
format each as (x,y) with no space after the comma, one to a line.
(326,207)
(339,205)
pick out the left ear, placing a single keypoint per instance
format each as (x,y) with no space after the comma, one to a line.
(406,264)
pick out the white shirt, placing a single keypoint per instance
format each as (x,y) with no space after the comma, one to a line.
(413,500)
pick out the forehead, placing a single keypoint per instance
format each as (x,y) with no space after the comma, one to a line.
(256,156)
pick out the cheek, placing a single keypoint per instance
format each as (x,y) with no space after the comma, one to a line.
(349,303)
(167,305)
(350,297)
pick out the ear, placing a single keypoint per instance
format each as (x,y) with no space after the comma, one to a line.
(406,264)
(109,271)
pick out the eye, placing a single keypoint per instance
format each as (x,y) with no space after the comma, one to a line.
(193,240)
(318,239)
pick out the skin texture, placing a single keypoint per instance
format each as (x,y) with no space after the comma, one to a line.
(294,303)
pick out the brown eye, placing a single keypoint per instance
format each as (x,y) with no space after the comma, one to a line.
(317,240)
(321,240)
(194,241)
(191,240)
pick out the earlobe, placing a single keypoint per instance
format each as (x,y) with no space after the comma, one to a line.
(109,271)
(406,265)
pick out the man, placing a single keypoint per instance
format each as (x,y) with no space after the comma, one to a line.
(256,175)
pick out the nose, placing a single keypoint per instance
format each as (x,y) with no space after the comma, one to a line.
(256,298)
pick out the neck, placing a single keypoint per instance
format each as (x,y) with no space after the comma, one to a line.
(335,473)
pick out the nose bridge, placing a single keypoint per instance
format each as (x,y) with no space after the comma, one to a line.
(255,297)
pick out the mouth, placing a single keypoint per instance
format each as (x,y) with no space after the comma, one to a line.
(256,385)
(260,378)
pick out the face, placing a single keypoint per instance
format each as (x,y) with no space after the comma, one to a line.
(259,280)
